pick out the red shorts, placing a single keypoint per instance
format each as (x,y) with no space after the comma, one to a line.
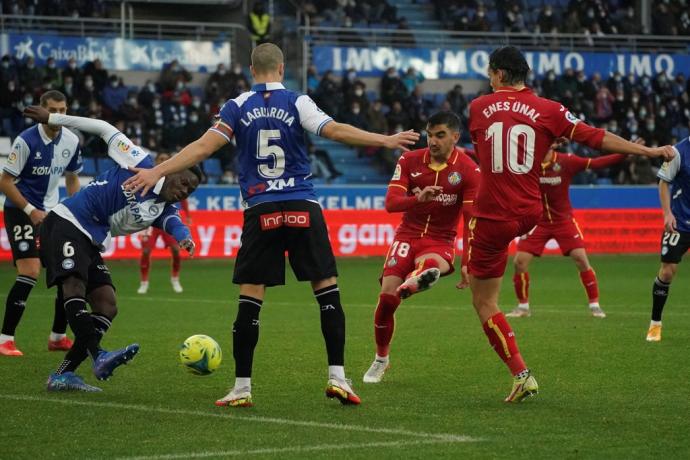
(402,254)
(488,243)
(151,235)
(566,233)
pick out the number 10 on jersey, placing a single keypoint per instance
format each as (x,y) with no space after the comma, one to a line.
(517,136)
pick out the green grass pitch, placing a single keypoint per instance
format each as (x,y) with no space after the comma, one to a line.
(605,392)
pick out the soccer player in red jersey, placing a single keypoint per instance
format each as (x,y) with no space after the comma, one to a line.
(431,187)
(513,130)
(148,242)
(558,222)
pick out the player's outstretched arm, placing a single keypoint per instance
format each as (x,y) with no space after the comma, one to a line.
(348,134)
(614,143)
(101,128)
(192,154)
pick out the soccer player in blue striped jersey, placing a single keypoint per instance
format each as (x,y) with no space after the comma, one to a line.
(674,194)
(283,214)
(77,230)
(40,155)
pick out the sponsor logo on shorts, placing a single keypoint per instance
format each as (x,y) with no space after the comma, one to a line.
(454,178)
(23,246)
(392,262)
(68,264)
(664,250)
(275,220)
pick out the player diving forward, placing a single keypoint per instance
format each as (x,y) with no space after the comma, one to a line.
(75,232)
(558,222)
(431,187)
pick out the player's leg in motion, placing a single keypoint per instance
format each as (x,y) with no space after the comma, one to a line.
(175,268)
(27,273)
(384,327)
(660,289)
(589,281)
(145,263)
(245,336)
(521,284)
(428,270)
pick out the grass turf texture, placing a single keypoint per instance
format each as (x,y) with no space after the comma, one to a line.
(605,392)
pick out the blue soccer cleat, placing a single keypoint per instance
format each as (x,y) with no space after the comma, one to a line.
(106,361)
(69,381)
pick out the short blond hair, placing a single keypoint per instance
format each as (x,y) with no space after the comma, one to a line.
(266,58)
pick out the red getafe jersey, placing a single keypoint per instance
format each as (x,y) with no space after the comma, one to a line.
(555,179)
(512,132)
(439,218)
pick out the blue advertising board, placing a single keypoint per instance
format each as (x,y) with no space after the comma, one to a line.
(117,53)
(472,63)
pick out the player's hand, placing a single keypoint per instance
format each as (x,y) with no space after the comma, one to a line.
(402,140)
(670,222)
(37,113)
(429,193)
(464,278)
(189,246)
(37,217)
(559,142)
(144,179)
(665,152)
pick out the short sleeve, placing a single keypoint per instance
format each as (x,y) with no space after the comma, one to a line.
(401,176)
(124,152)
(312,118)
(561,122)
(471,185)
(18,157)
(76,164)
(669,169)
(227,119)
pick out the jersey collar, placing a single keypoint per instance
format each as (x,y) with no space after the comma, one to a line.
(451,159)
(272,86)
(44,137)
(159,185)
(510,89)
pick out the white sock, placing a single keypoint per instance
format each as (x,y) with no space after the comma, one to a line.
(523,306)
(336,372)
(652,323)
(6,338)
(594,305)
(383,359)
(144,283)
(241,382)
(55,337)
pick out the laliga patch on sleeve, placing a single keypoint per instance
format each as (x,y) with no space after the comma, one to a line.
(397,173)
(123,146)
(571,118)
(12,159)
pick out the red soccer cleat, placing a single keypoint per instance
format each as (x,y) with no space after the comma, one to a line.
(341,389)
(64,344)
(9,349)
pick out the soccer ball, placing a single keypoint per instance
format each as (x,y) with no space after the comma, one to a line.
(200,354)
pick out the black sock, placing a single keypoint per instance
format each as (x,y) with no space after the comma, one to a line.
(72,360)
(245,335)
(85,336)
(332,323)
(16,303)
(659,296)
(60,318)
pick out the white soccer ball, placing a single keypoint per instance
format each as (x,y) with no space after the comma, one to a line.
(200,354)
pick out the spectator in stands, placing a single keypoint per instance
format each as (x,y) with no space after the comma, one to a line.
(218,85)
(457,101)
(76,109)
(114,96)
(174,121)
(8,71)
(322,164)
(479,22)
(357,95)
(88,92)
(182,93)
(201,109)
(664,126)
(171,74)
(238,81)
(312,79)
(572,24)
(98,74)
(663,20)
(546,23)
(327,95)
(194,129)
(404,36)
(603,107)
(628,24)
(418,109)
(146,94)
(550,86)
(131,111)
(347,83)
(412,78)
(68,88)
(392,88)
(52,73)
(376,119)
(684,24)
(74,72)
(397,119)
(620,105)
(10,98)
(515,20)
(30,76)
(355,117)
(259,24)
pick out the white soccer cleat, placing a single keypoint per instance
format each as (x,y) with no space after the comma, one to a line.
(143,287)
(519,312)
(376,371)
(418,283)
(177,287)
(238,397)
(597,312)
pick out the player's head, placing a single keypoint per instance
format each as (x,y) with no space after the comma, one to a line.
(179,186)
(442,133)
(507,67)
(55,102)
(267,63)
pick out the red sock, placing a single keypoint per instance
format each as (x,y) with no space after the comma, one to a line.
(502,339)
(145,265)
(589,281)
(521,283)
(423,265)
(384,322)
(176,262)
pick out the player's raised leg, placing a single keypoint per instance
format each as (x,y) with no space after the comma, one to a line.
(589,280)
(521,284)
(662,285)
(429,268)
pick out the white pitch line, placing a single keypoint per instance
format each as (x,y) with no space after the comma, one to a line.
(446,437)
(285,450)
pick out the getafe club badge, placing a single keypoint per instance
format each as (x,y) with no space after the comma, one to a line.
(556,167)
(454,178)
(392,262)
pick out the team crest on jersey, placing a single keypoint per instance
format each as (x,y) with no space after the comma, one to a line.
(23,246)
(392,262)
(12,159)
(38,155)
(65,153)
(397,173)
(123,146)
(454,178)
(153,210)
(556,167)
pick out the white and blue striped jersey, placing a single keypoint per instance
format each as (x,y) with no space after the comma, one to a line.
(677,173)
(104,208)
(268,123)
(37,162)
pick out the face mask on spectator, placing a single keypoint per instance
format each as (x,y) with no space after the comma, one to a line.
(221,72)
(156,105)
(662,79)
(359,92)
(481,14)
(75,106)
(551,77)
(237,70)
(193,118)
(10,86)
(633,128)
(630,114)
(113,83)
(548,13)
(196,103)
(662,112)
(635,99)
(5,64)
(351,76)
(88,84)
(355,109)
(620,97)
(132,100)
(51,65)
(72,65)
(617,78)
(179,86)
(650,126)
(28,100)
(613,127)
(173,68)
(643,112)
(151,87)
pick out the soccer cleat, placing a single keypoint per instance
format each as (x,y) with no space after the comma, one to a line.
(69,381)
(143,287)
(241,397)
(419,283)
(337,388)
(9,349)
(519,312)
(177,287)
(597,312)
(64,344)
(654,333)
(107,361)
(376,371)
(523,387)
